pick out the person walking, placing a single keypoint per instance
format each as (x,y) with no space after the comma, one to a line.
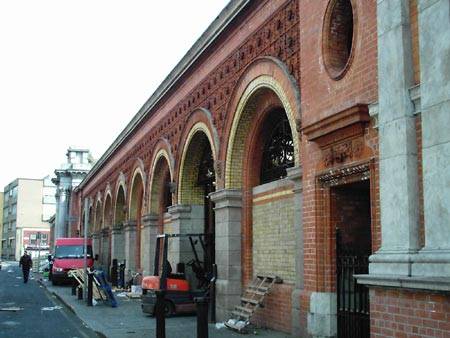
(26,263)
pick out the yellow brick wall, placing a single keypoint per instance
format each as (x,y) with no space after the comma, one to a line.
(273,237)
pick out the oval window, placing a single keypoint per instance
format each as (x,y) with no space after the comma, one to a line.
(338,37)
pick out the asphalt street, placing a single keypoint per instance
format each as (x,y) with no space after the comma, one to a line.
(40,314)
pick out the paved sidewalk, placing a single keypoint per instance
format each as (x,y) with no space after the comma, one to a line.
(128,320)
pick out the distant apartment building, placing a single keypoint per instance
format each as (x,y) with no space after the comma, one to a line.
(1,221)
(27,207)
(68,177)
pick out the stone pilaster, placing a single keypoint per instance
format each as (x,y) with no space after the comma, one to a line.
(148,242)
(186,219)
(296,176)
(105,250)
(398,144)
(228,213)
(117,243)
(130,245)
(434,39)
(96,245)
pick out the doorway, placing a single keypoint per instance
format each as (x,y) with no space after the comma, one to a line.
(350,211)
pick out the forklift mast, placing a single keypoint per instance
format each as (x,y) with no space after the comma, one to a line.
(162,265)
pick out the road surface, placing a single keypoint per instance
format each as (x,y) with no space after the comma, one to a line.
(40,314)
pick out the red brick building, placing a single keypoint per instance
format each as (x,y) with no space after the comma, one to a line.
(308,137)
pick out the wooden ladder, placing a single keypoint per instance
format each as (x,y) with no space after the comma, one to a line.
(252,299)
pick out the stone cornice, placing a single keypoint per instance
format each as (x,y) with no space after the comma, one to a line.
(330,129)
(422,283)
(206,39)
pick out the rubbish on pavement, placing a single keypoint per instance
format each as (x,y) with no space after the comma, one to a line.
(51,308)
(132,295)
(136,289)
(11,308)
(220,326)
(237,324)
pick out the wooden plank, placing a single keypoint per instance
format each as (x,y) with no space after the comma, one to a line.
(241,314)
(249,300)
(243,309)
(259,288)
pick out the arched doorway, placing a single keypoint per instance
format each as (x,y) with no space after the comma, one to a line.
(197,182)
(262,147)
(161,189)
(133,243)
(96,243)
(105,234)
(117,235)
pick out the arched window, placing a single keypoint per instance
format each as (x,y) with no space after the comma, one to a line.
(278,147)
(167,194)
(206,169)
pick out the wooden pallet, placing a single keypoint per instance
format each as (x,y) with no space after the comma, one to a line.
(97,291)
(251,300)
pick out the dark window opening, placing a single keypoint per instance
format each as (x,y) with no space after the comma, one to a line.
(206,174)
(167,197)
(278,147)
(338,37)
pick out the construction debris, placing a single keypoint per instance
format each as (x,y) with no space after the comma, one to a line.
(51,308)
(251,300)
(11,308)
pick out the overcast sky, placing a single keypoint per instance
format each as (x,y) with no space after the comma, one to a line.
(74,73)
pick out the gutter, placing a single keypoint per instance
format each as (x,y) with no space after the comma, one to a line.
(219,24)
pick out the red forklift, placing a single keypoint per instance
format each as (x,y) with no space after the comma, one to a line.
(181,286)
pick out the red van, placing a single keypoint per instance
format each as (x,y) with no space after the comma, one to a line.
(69,255)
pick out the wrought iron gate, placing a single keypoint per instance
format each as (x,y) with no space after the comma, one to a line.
(352,298)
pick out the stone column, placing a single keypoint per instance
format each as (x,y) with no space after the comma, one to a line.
(96,244)
(296,175)
(105,250)
(228,212)
(398,144)
(148,242)
(117,243)
(434,38)
(185,219)
(130,245)
(61,221)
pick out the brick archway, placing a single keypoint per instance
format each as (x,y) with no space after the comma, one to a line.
(198,137)
(106,231)
(107,211)
(133,228)
(265,91)
(161,172)
(98,215)
(264,74)
(120,205)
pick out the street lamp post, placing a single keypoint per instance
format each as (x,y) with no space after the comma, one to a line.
(39,250)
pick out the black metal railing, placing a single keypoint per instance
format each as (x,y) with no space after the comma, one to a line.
(352,298)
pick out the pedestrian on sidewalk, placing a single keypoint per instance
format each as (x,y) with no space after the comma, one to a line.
(26,263)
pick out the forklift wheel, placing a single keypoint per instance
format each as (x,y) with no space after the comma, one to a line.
(169,308)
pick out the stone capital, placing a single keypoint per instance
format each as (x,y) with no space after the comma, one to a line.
(227,198)
(149,220)
(130,225)
(180,211)
(295,174)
